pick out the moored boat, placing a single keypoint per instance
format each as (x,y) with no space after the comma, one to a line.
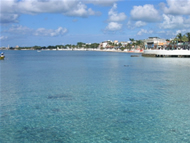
(2,56)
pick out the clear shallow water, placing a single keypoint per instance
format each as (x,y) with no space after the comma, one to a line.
(100,97)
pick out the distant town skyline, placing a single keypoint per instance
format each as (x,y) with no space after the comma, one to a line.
(51,22)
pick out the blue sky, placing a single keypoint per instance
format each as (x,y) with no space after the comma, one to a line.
(52,22)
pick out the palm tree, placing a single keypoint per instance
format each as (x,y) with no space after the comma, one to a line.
(133,42)
(184,38)
(128,46)
(188,36)
(73,46)
(179,37)
(140,43)
(131,39)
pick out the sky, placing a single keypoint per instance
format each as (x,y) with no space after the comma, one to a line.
(61,22)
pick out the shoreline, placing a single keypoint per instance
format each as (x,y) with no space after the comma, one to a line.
(104,50)
(98,50)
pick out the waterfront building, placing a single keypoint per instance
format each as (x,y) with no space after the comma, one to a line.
(103,44)
(166,49)
(16,46)
(155,42)
(116,42)
(123,43)
(183,45)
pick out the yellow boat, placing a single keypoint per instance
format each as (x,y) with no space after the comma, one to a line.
(2,57)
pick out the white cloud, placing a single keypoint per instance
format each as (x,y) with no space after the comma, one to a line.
(144,31)
(19,29)
(50,32)
(168,32)
(114,19)
(114,16)
(102,2)
(140,24)
(132,24)
(3,37)
(172,22)
(114,26)
(177,7)
(183,31)
(65,7)
(7,6)
(162,32)
(146,13)
(22,30)
(80,10)
(173,33)
(8,18)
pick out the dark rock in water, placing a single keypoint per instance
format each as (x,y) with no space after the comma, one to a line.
(173,130)
(35,134)
(127,111)
(131,99)
(126,65)
(25,128)
(134,55)
(125,138)
(58,96)
(124,122)
(37,107)
(3,115)
(109,139)
(55,110)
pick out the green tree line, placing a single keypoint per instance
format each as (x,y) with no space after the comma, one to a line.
(182,38)
(71,46)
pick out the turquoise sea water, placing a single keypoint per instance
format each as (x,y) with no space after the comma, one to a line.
(93,97)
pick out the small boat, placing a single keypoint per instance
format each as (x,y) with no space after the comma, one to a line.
(2,56)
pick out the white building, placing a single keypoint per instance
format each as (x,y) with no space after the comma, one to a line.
(151,42)
(124,43)
(103,44)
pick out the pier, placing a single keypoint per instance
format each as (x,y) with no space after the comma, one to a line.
(167,53)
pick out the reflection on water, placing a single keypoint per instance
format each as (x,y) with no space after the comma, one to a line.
(83,96)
